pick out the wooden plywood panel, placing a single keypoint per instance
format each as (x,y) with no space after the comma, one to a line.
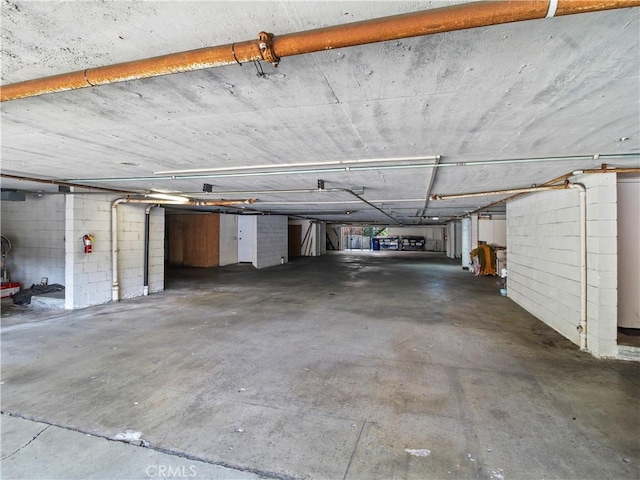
(194,239)
(295,239)
(175,227)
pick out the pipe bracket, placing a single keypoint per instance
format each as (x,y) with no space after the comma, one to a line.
(266,48)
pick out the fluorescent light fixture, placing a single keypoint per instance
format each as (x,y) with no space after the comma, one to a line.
(295,165)
(171,198)
(248,174)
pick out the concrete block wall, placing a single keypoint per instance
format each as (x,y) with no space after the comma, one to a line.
(156,250)
(272,237)
(89,277)
(131,221)
(602,263)
(454,239)
(465,247)
(543,238)
(493,230)
(228,239)
(36,230)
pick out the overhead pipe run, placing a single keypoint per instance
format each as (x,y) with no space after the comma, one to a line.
(346,166)
(563,178)
(147,240)
(315,190)
(272,48)
(455,196)
(61,183)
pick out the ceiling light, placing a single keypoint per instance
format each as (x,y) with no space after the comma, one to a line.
(172,198)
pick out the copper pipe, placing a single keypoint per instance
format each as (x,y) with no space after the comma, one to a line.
(612,170)
(63,184)
(455,196)
(561,178)
(270,48)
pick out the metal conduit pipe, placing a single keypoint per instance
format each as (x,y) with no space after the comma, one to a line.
(115,286)
(272,48)
(582,326)
(147,224)
(62,183)
(368,203)
(455,196)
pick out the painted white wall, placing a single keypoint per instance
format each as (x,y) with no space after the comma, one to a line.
(543,235)
(88,275)
(454,238)
(466,242)
(272,237)
(131,219)
(493,230)
(156,250)
(228,239)
(629,251)
(88,278)
(35,228)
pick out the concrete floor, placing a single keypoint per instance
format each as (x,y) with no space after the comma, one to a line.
(361,366)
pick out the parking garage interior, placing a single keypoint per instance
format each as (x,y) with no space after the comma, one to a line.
(322,240)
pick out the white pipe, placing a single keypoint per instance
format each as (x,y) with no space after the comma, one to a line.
(147,213)
(115,286)
(582,327)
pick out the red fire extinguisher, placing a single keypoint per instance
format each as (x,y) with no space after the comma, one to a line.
(87,240)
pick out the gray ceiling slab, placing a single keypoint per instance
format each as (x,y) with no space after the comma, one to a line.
(558,87)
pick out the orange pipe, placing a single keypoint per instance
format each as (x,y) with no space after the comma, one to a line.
(427,22)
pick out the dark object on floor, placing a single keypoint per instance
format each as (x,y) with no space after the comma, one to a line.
(632,332)
(23,297)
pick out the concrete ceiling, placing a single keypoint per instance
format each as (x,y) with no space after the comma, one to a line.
(566,86)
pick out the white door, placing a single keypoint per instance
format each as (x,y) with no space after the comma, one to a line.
(246,235)
(628,255)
